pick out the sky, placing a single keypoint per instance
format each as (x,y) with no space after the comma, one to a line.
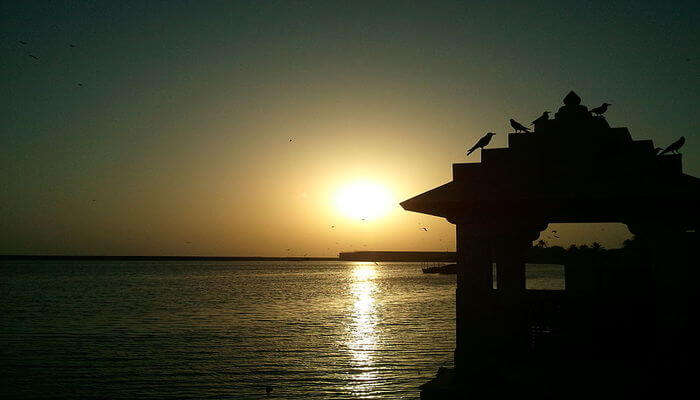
(231,127)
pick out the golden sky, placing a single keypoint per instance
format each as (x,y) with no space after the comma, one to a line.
(146,128)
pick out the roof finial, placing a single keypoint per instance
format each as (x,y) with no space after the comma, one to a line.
(572,99)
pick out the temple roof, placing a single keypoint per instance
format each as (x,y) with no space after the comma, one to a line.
(574,167)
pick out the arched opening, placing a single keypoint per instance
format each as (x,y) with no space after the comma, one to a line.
(567,243)
(586,281)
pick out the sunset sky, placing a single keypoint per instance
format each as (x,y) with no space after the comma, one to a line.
(249,128)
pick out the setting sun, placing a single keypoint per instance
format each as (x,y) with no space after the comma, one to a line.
(364,200)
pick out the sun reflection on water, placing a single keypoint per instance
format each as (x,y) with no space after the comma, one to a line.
(362,338)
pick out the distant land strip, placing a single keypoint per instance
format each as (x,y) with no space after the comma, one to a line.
(435,256)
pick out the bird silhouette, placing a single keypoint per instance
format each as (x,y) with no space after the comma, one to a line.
(542,118)
(600,110)
(424,229)
(33,56)
(674,147)
(22,42)
(518,126)
(483,142)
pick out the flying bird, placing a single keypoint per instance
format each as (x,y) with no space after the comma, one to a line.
(424,229)
(33,56)
(600,110)
(542,118)
(483,142)
(22,42)
(518,126)
(674,147)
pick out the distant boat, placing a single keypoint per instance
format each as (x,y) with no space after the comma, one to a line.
(442,269)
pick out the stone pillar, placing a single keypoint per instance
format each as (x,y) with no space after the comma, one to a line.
(510,251)
(474,337)
(673,321)
(491,323)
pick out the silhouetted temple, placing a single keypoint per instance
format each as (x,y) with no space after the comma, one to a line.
(637,326)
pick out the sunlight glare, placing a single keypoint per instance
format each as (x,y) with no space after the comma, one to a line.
(362,341)
(364,200)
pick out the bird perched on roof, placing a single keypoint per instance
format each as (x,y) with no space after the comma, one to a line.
(483,142)
(600,110)
(673,147)
(518,126)
(542,118)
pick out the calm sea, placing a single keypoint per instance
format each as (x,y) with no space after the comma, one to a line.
(124,330)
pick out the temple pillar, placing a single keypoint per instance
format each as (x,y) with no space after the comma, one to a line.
(671,251)
(510,251)
(474,316)
(491,323)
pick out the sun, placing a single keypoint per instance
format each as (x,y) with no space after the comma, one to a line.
(364,200)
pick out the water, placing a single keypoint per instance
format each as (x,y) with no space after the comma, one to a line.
(123,330)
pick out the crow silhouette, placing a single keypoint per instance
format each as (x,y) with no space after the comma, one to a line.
(600,110)
(542,118)
(518,126)
(483,142)
(673,147)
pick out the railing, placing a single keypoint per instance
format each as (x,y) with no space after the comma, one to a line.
(545,319)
